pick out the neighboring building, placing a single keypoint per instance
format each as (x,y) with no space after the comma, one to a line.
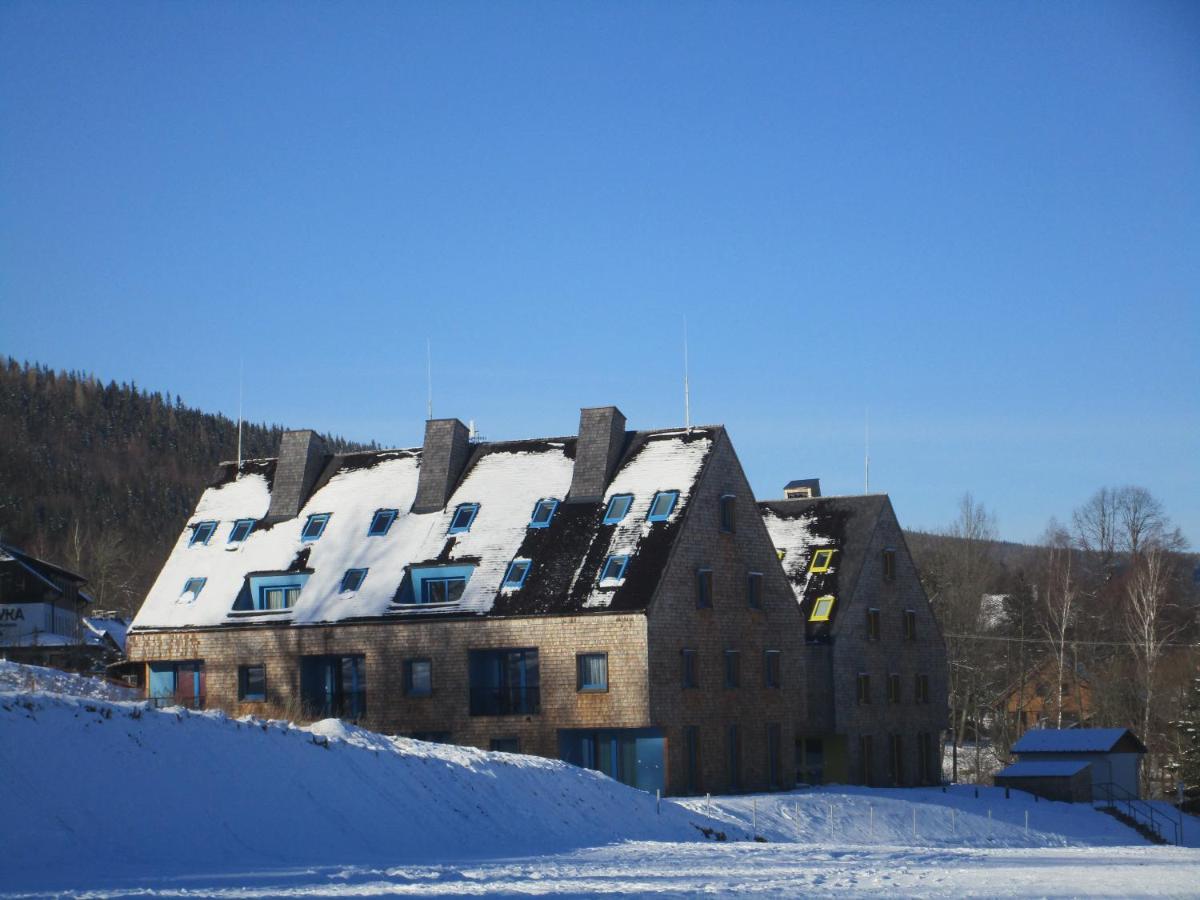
(1032,701)
(613,599)
(875,658)
(1051,760)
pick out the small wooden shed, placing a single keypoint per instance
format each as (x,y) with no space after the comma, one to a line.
(1067,780)
(1112,758)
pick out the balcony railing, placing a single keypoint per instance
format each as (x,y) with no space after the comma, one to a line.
(505,701)
(188,701)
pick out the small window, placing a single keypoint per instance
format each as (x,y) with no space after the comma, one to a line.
(505,745)
(893,688)
(872,624)
(864,688)
(822,609)
(618,508)
(381,522)
(728,513)
(464,515)
(201,532)
(418,677)
(443,590)
(591,672)
(704,588)
(662,505)
(278,597)
(314,527)
(691,673)
(889,564)
(252,683)
(733,669)
(194,586)
(754,590)
(822,560)
(518,570)
(353,580)
(910,624)
(922,689)
(241,530)
(614,569)
(772,666)
(543,512)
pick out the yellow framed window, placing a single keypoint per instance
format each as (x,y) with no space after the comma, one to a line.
(822,609)
(822,560)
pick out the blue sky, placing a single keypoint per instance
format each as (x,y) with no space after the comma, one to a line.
(980,221)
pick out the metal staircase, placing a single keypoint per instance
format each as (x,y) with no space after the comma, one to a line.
(1154,824)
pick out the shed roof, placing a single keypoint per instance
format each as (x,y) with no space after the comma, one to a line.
(1044,768)
(1079,740)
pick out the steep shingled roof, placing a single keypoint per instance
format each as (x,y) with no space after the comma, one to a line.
(506,479)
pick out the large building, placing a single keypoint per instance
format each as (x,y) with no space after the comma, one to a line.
(615,599)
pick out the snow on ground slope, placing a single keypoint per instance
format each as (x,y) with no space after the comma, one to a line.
(20,677)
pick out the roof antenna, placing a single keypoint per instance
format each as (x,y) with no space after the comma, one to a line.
(867,451)
(429,377)
(241,391)
(687,401)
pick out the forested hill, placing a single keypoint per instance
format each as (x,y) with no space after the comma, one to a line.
(101,478)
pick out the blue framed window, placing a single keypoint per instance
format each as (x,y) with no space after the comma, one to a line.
(618,508)
(614,568)
(518,571)
(662,505)
(194,586)
(252,683)
(434,584)
(442,590)
(464,515)
(202,532)
(353,580)
(591,672)
(381,522)
(543,512)
(241,530)
(315,526)
(272,592)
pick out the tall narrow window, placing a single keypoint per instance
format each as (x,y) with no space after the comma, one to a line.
(691,674)
(201,532)
(922,689)
(691,740)
(865,763)
(735,757)
(910,624)
(418,678)
(591,672)
(772,665)
(872,624)
(252,683)
(315,526)
(754,590)
(543,512)
(733,669)
(241,530)
(925,758)
(353,580)
(662,505)
(704,588)
(896,759)
(618,508)
(381,522)
(728,513)
(889,564)
(774,756)
(864,688)
(894,688)
(464,516)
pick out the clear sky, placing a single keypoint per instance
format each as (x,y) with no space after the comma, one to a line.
(981,221)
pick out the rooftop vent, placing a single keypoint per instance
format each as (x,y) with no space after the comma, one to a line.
(802,489)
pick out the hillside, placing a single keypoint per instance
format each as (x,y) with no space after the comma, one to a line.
(100,477)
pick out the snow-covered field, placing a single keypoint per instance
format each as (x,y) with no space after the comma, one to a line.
(105,797)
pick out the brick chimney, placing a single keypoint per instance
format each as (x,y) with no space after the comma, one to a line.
(301,457)
(601,441)
(443,456)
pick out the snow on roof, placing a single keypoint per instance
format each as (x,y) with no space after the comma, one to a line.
(98,627)
(1072,740)
(796,537)
(1044,768)
(505,480)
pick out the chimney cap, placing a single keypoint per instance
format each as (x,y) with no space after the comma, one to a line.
(802,488)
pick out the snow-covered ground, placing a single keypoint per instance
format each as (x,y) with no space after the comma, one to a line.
(109,798)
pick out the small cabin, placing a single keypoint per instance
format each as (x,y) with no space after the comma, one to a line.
(1076,764)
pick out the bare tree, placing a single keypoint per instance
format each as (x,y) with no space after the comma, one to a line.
(1149,634)
(1060,596)
(1096,524)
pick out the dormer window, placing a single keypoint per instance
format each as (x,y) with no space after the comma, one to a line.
(353,580)
(618,508)
(543,512)
(381,522)
(201,532)
(822,609)
(192,588)
(464,515)
(822,560)
(662,505)
(614,569)
(241,530)
(314,527)
(518,571)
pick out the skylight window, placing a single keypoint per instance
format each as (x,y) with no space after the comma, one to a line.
(464,515)
(618,508)
(241,530)
(315,526)
(201,532)
(353,580)
(822,609)
(518,571)
(614,569)
(661,506)
(822,560)
(194,586)
(381,522)
(543,512)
